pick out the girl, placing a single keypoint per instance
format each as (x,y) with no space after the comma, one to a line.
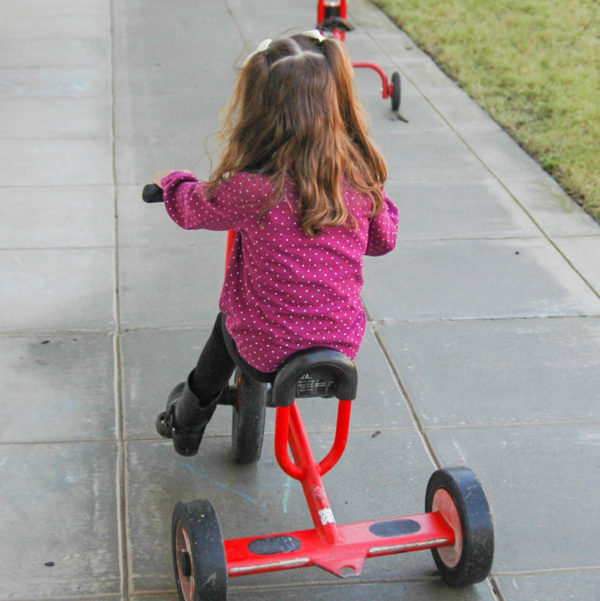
(301,183)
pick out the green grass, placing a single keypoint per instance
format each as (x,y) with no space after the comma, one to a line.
(533,65)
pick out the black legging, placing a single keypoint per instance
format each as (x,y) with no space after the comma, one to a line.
(217,362)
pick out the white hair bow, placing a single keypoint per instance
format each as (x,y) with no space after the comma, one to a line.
(264,45)
(315,34)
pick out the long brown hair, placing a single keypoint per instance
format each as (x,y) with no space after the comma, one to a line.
(294,113)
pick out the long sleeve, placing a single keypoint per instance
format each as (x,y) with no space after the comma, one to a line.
(383,230)
(236,202)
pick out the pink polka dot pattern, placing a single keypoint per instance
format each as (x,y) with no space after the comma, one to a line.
(285,291)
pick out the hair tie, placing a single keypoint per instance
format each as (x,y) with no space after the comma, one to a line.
(264,45)
(315,34)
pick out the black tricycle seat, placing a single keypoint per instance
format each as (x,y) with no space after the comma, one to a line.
(315,372)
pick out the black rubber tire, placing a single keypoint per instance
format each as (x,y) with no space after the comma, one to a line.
(473,563)
(248,420)
(396,95)
(199,557)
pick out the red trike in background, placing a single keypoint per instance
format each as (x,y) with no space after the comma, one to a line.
(332,19)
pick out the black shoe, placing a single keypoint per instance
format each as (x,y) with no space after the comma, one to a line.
(184,420)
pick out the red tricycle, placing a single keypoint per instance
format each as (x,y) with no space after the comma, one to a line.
(332,18)
(456,525)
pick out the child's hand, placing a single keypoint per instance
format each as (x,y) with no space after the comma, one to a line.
(162,174)
(156,179)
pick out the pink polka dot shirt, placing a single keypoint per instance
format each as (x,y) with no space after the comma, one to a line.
(285,291)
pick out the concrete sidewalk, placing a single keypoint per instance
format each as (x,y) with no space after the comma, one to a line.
(483,347)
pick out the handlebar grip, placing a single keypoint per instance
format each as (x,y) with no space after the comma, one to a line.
(152,193)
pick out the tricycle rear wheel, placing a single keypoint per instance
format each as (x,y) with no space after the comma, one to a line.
(396,91)
(458,496)
(199,557)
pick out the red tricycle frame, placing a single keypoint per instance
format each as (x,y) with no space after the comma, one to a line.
(340,550)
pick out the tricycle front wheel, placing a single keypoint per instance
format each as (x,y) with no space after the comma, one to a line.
(248,420)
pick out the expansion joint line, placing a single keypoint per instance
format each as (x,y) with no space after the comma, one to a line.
(411,406)
(121,480)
